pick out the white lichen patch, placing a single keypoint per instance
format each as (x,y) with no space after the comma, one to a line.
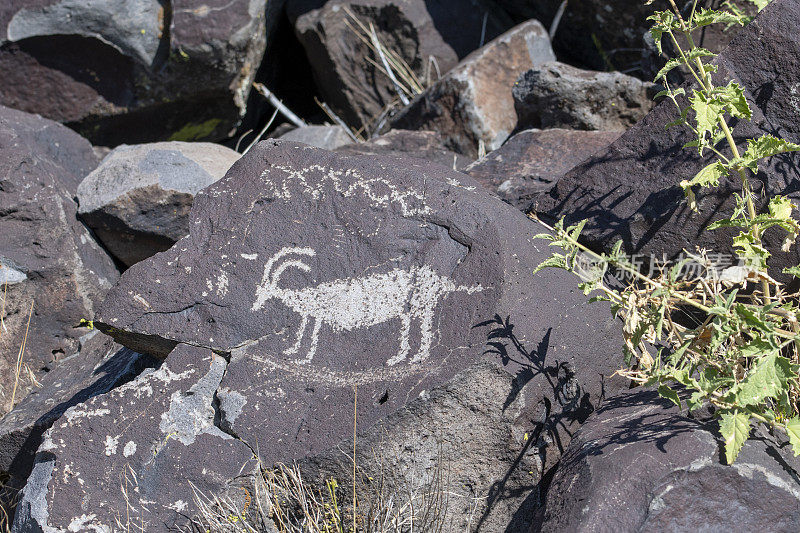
(80,411)
(179,506)
(129,449)
(111,445)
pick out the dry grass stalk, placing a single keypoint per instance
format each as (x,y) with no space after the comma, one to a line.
(20,355)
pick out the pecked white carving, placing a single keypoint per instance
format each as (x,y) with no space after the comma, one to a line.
(349,183)
(354,303)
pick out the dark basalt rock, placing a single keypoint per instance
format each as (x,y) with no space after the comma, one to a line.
(49,261)
(473,103)
(141,454)
(57,143)
(99,366)
(319,272)
(613,35)
(531,161)
(638,464)
(138,200)
(417,30)
(425,145)
(630,191)
(128,71)
(556,95)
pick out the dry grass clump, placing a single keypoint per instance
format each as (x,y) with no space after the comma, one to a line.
(283,501)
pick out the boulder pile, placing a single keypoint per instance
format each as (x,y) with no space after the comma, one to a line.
(196,297)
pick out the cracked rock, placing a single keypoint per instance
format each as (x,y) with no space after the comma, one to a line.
(128,70)
(473,103)
(639,449)
(98,366)
(142,454)
(138,200)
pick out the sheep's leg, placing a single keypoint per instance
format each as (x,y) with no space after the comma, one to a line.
(314,340)
(405,340)
(426,334)
(300,332)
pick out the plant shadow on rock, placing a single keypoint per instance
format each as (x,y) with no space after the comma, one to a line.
(563,406)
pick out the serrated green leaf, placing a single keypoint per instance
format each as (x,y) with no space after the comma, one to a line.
(671,64)
(665,392)
(757,348)
(754,255)
(771,375)
(793,431)
(554,261)
(734,101)
(705,17)
(735,428)
(763,147)
(708,112)
(707,177)
(792,271)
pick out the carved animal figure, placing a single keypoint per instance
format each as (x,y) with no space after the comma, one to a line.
(361,302)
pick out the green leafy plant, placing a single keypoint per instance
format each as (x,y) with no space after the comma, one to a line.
(729,338)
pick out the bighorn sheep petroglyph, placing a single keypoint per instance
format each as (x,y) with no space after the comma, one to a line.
(348,304)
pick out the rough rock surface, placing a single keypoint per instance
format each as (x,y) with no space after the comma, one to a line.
(137,455)
(631,192)
(533,160)
(127,71)
(138,200)
(327,137)
(59,144)
(556,95)
(473,102)
(638,464)
(49,261)
(388,275)
(415,30)
(98,366)
(425,145)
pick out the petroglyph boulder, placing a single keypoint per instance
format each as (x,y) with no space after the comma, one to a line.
(318,273)
(138,200)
